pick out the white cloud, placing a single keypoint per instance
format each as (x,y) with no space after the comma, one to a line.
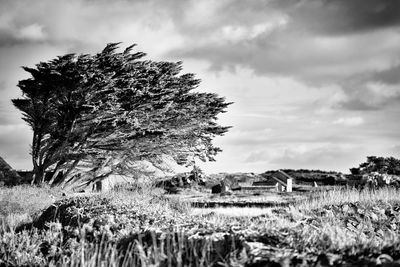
(362,94)
(32,32)
(237,33)
(351,121)
(382,91)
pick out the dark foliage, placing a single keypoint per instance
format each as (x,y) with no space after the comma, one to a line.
(96,115)
(387,165)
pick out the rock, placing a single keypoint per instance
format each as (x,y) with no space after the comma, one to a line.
(383,259)
(64,211)
(172,190)
(216,189)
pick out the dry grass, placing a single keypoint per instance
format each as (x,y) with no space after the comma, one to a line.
(309,223)
(302,227)
(231,211)
(349,195)
(20,204)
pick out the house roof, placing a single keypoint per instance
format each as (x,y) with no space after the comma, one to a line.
(4,165)
(7,173)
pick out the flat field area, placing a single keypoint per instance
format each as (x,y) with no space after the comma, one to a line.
(143,226)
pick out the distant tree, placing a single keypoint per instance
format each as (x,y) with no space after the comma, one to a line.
(355,171)
(95,115)
(383,165)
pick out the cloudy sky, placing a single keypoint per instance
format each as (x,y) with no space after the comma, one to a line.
(316,83)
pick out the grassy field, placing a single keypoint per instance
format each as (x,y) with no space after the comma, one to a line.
(143,227)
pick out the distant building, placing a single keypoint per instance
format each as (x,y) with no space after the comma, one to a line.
(282,180)
(8,176)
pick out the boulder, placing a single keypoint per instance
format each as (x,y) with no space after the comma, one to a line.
(220,188)
(172,190)
(216,189)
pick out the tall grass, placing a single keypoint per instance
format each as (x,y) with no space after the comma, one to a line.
(20,204)
(349,195)
(181,238)
(172,249)
(26,198)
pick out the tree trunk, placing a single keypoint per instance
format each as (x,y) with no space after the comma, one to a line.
(38,175)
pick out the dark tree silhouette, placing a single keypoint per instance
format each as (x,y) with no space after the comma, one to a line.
(387,165)
(95,115)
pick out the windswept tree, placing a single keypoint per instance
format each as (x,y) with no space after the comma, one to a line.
(95,115)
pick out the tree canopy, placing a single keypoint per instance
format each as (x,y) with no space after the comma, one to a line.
(94,115)
(386,165)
